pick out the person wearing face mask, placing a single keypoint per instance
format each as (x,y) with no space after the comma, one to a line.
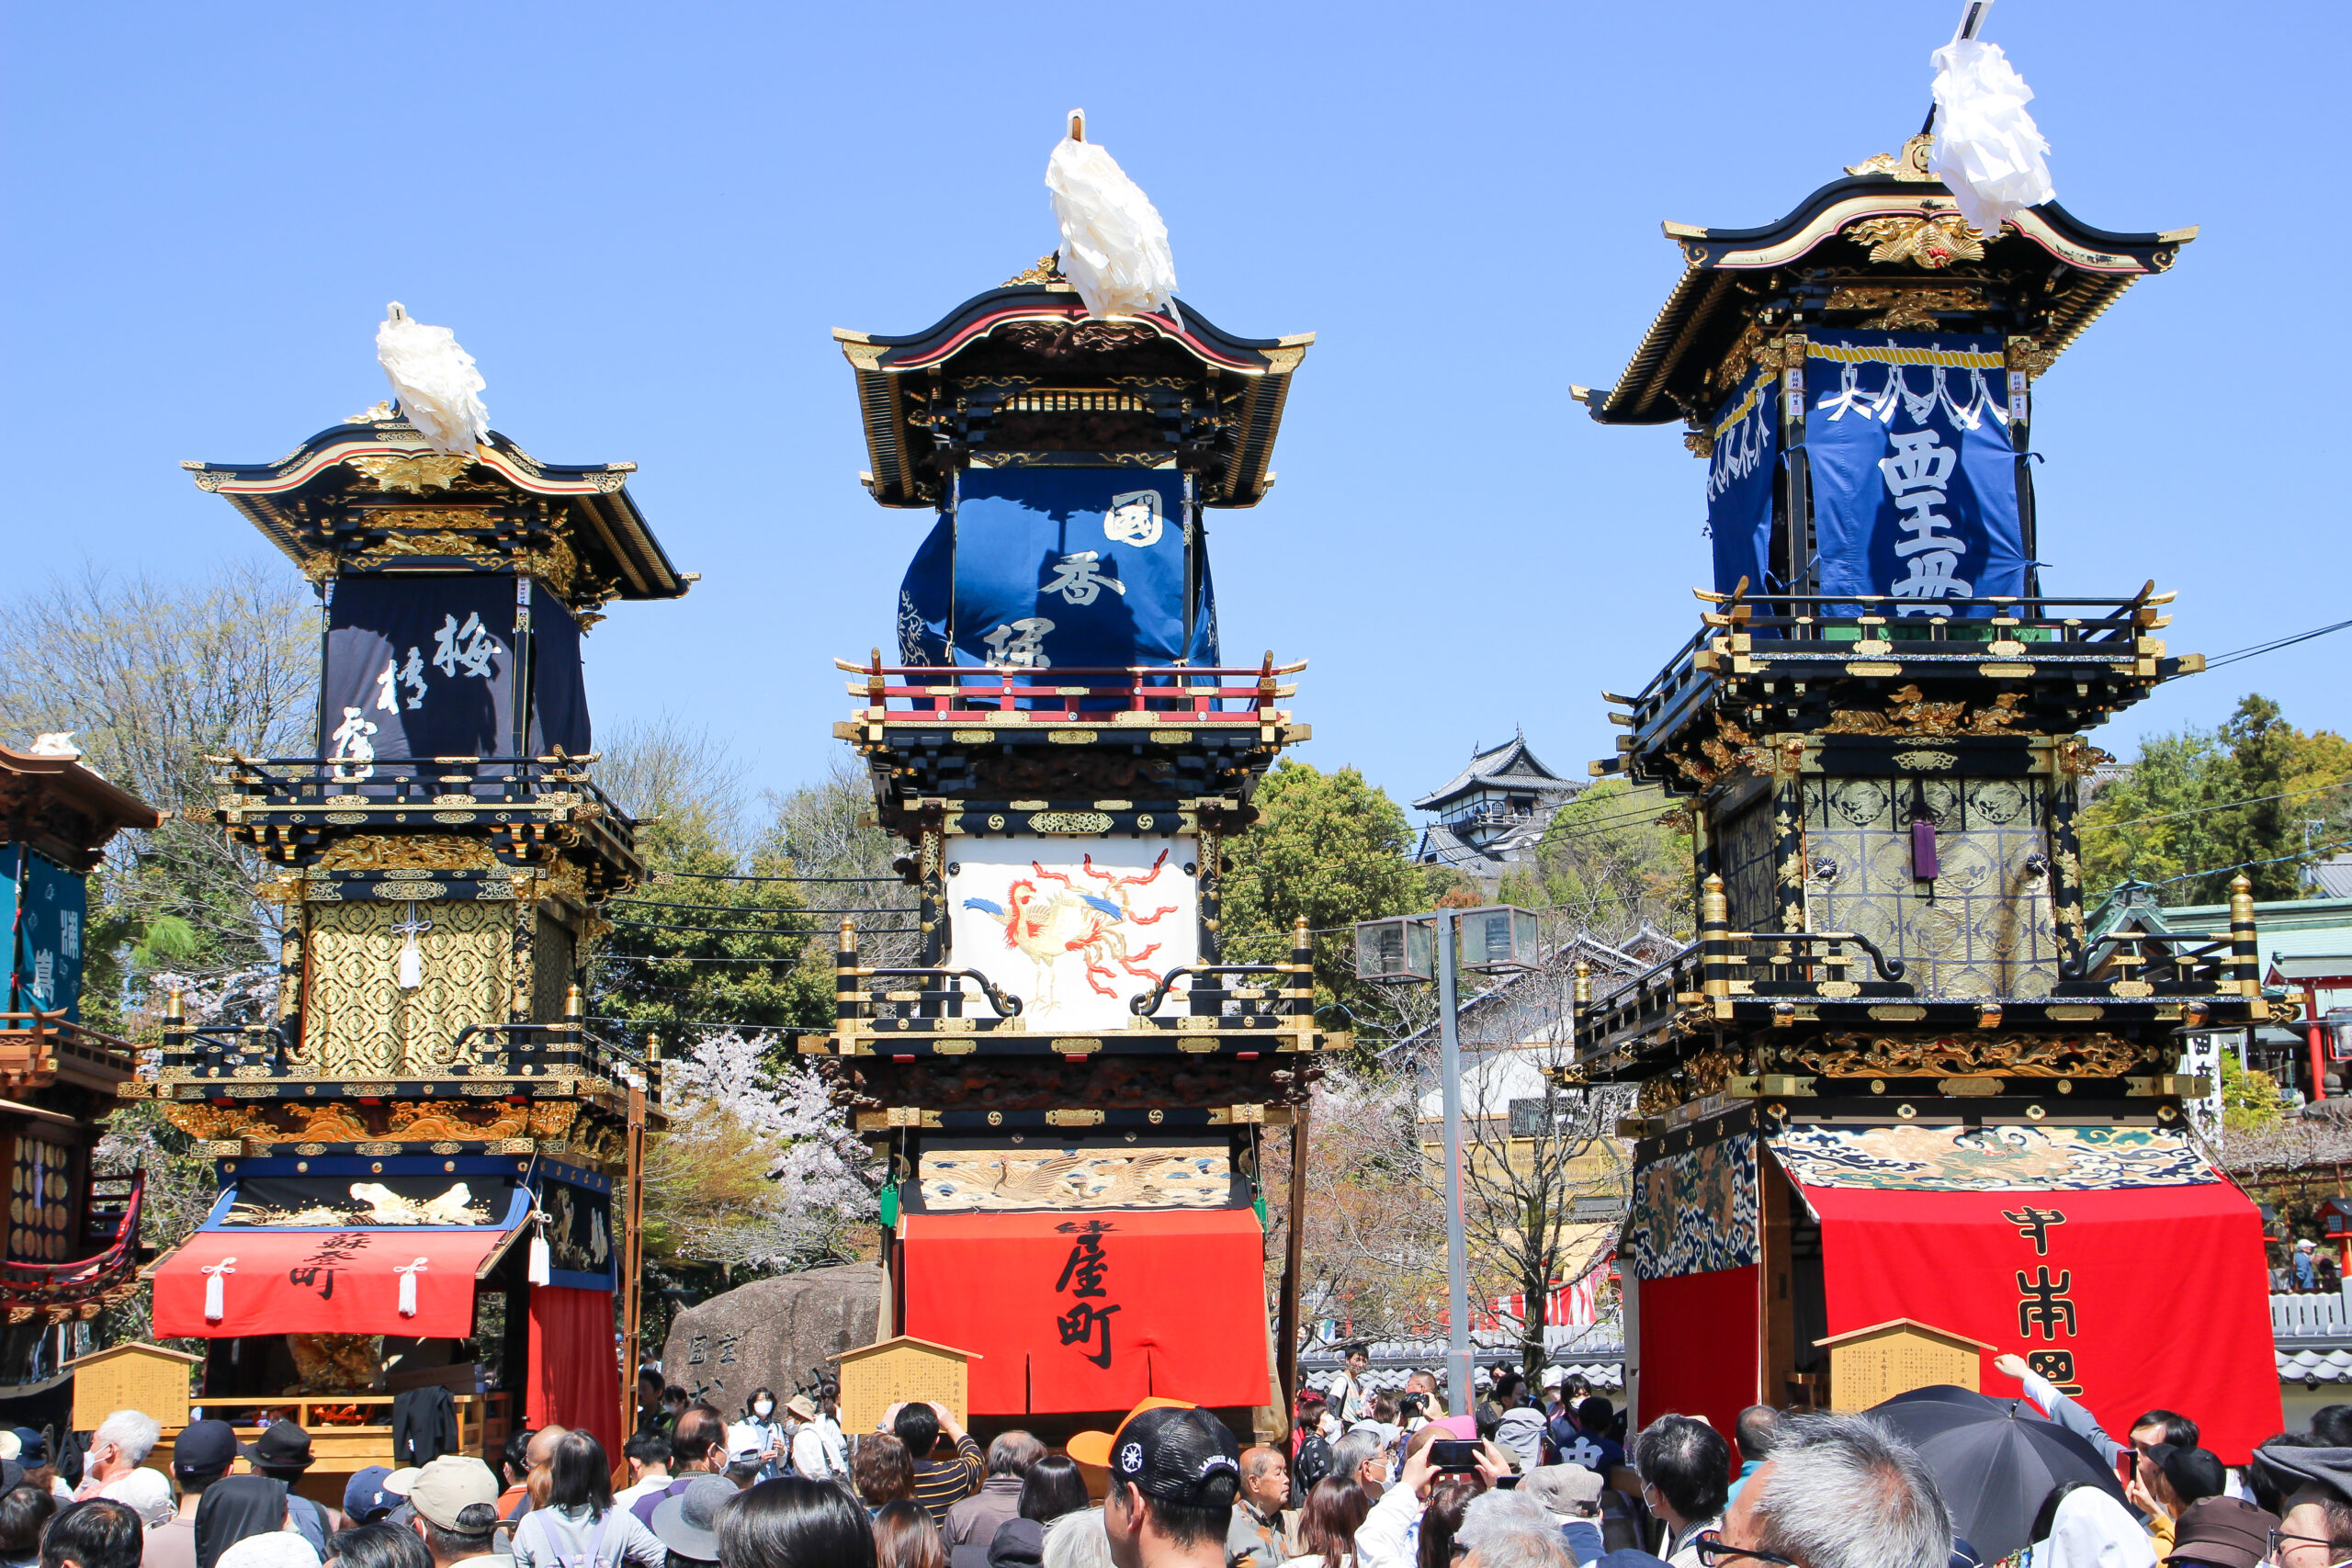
(776,1438)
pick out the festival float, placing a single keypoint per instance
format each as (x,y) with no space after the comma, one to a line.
(1894,1101)
(422,1150)
(1071,1082)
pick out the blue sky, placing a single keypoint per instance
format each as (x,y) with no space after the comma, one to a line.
(643,222)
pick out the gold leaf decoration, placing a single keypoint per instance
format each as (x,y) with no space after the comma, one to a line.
(1933,241)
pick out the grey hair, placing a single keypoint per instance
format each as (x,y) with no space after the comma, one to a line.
(1350,1452)
(132,1431)
(1491,1515)
(1013,1452)
(1078,1541)
(1844,1492)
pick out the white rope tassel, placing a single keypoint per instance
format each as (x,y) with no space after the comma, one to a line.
(410,972)
(408,1273)
(541,1260)
(216,1291)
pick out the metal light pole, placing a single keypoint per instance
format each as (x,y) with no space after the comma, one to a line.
(1460,1397)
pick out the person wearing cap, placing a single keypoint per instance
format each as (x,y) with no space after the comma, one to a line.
(819,1450)
(364,1501)
(400,1483)
(2306,1265)
(32,1452)
(1174,1476)
(578,1527)
(455,1503)
(1571,1495)
(201,1456)
(2315,1524)
(2183,1476)
(687,1524)
(940,1483)
(283,1453)
(2222,1533)
(747,1454)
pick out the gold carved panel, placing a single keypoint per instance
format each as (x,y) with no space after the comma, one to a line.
(360,1020)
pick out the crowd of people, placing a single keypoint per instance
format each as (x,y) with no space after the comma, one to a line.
(1806,1489)
(1526,1478)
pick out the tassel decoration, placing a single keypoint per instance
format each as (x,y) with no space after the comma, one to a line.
(541,1260)
(216,1291)
(1988,151)
(408,1273)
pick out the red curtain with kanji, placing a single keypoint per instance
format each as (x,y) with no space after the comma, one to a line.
(1093,1310)
(1699,1347)
(575,1379)
(286,1282)
(2141,1298)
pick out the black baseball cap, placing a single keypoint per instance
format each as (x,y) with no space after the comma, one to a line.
(203,1447)
(1184,1457)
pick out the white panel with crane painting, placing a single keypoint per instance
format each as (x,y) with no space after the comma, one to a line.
(1073,927)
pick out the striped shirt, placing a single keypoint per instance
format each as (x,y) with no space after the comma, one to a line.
(940,1483)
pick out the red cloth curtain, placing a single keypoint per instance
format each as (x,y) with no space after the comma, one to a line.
(2155,1296)
(1700,1339)
(323,1282)
(1092,1310)
(576,1364)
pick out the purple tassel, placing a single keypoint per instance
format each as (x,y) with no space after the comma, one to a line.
(1923,850)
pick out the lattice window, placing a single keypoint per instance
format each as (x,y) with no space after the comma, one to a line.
(40,1202)
(1744,845)
(359,1021)
(1982,928)
(551,966)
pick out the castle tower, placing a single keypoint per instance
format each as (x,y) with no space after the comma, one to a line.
(425,1097)
(1072,1085)
(1894,1077)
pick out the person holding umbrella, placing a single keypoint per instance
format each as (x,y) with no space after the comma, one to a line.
(1996,1462)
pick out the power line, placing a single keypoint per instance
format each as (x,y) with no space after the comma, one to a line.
(2221,806)
(2262,648)
(780,958)
(2249,864)
(730,877)
(717,1024)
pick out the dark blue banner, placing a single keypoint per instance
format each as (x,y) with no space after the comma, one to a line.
(1743,458)
(1914,480)
(53,903)
(419,666)
(1043,568)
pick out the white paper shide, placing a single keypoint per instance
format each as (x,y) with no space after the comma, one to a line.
(1988,150)
(1073,927)
(435,381)
(1114,248)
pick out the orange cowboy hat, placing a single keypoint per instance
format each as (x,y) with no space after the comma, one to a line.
(1094,1447)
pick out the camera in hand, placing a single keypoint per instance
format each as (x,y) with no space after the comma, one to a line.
(1453,1453)
(1411,1406)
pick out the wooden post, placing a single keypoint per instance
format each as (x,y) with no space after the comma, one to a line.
(1294,1261)
(633,1238)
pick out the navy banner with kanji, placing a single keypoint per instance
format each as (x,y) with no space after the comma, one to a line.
(419,666)
(1060,568)
(52,904)
(1914,480)
(1743,458)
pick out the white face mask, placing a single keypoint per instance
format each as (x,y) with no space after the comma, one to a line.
(762,1408)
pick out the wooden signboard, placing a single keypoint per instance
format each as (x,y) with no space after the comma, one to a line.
(875,1377)
(136,1376)
(1870,1366)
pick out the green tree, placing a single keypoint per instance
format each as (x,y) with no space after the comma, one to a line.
(700,945)
(1607,863)
(2196,806)
(1330,847)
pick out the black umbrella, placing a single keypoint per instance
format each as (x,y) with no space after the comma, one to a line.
(1994,1460)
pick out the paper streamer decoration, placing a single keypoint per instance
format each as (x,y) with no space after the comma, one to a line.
(1114,247)
(216,1291)
(1988,151)
(408,1273)
(435,381)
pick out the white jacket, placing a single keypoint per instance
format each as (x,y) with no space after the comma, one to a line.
(1390,1536)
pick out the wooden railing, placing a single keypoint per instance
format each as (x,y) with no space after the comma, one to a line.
(1168,694)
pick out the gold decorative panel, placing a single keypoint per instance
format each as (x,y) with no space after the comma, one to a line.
(360,1020)
(551,965)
